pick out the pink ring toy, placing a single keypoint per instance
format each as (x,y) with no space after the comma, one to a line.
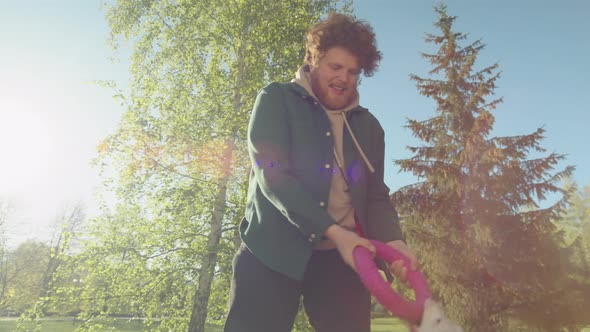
(382,291)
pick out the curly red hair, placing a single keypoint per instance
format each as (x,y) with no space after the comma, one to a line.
(343,31)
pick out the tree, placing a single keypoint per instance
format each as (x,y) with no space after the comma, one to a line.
(576,219)
(178,154)
(28,270)
(34,267)
(66,229)
(490,249)
(26,266)
(576,225)
(5,213)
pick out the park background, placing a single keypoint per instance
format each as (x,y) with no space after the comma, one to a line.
(58,114)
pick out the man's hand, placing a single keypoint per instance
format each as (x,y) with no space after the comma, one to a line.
(346,241)
(397,267)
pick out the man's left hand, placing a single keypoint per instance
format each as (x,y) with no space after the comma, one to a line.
(397,268)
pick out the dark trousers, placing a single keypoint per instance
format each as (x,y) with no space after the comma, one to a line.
(263,300)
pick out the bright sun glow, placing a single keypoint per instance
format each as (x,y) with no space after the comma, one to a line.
(25,146)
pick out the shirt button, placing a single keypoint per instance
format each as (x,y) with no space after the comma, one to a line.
(328,133)
(311,237)
(327,165)
(322,203)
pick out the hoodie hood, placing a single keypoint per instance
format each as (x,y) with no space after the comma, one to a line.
(303,78)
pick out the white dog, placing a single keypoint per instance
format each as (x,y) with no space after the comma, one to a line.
(434,319)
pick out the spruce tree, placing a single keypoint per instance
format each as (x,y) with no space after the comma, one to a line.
(477,220)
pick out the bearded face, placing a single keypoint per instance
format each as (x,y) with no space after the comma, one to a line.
(334,78)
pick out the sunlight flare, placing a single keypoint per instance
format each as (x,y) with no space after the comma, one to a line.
(25,146)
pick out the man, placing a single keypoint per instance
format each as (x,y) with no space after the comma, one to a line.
(316,185)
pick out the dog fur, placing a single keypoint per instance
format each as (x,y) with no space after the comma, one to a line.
(434,319)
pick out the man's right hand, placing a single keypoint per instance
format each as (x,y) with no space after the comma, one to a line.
(346,241)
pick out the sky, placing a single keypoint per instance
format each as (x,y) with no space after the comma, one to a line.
(52,115)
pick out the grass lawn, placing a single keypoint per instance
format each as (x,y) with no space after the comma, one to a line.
(7,325)
(388,325)
(69,326)
(122,325)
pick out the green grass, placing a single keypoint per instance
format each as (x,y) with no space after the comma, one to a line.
(388,325)
(121,325)
(69,326)
(6,325)
(377,325)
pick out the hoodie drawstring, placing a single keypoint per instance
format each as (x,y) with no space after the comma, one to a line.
(356,143)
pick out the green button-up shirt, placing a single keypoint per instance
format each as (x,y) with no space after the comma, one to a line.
(291,153)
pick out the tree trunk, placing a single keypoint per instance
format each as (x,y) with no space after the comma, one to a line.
(201,299)
(207,271)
